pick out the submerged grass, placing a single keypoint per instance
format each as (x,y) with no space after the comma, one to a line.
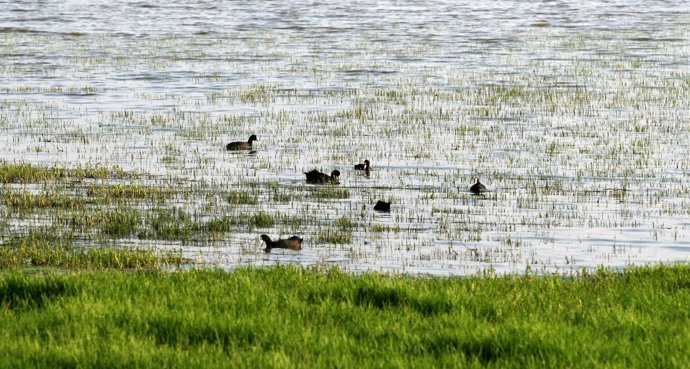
(242,198)
(70,257)
(54,247)
(24,201)
(290,317)
(162,223)
(85,258)
(330,192)
(340,234)
(28,173)
(111,192)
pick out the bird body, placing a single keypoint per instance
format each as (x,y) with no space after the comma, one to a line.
(365,166)
(240,145)
(382,206)
(478,188)
(317,177)
(292,243)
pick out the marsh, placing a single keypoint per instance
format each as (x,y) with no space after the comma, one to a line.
(574,115)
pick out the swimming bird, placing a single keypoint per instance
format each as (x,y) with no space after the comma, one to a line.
(292,243)
(477,188)
(382,206)
(364,166)
(239,145)
(319,178)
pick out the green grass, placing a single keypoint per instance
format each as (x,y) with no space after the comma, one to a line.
(286,317)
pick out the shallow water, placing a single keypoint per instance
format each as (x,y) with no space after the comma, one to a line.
(575,116)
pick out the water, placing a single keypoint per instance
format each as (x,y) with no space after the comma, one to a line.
(575,116)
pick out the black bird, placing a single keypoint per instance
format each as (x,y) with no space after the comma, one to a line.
(382,206)
(292,243)
(364,166)
(477,188)
(239,145)
(317,177)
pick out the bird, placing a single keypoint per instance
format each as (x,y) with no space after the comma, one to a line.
(382,206)
(239,145)
(317,177)
(292,243)
(365,166)
(477,188)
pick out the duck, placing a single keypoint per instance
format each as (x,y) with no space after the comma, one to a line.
(317,177)
(239,145)
(292,243)
(382,206)
(478,188)
(365,166)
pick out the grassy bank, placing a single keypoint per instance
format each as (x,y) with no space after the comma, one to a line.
(287,317)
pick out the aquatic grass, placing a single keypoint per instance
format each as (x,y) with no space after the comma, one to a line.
(109,192)
(46,237)
(242,198)
(24,201)
(330,192)
(40,255)
(340,233)
(28,173)
(166,224)
(292,317)
(260,220)
(345,223)
(334,236)
(115,223)
(162,223)
(55,247)
(280,195)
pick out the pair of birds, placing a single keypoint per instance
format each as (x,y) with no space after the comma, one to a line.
(313,176)
(316,177)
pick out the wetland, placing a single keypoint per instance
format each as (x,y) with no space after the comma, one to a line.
(114,122)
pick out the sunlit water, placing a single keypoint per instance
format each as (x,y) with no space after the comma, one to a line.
(575,116)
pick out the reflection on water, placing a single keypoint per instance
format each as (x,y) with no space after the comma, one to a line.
(573,115)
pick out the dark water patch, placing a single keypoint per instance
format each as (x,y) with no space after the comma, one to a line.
(679,248)
(146,5)
(19,30)
(357,72)
(289,27)
(540,24)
